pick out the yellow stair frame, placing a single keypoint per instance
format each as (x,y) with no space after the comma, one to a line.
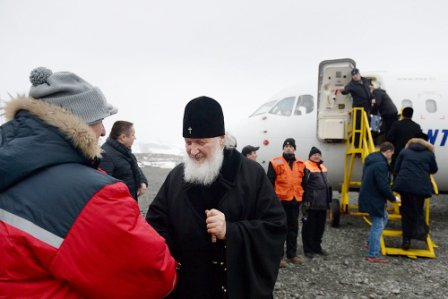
(413,253)
(354,151)
(361,150)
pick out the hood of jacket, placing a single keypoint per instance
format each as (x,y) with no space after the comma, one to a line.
(39,135)
(418,144)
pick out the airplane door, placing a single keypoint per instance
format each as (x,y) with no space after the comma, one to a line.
(333,111)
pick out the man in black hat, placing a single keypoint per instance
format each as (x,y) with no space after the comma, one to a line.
(359,89)
(219,214)
(316,202)
(285,173)
(402,131)
(250,152)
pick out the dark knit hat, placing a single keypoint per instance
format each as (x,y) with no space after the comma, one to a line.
(70,92)
(407,112)
(289,141)
(203,118)
(249,149)
(355,71)
(314,150)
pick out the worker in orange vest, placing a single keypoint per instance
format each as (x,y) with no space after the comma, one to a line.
(285,173)
(316,202)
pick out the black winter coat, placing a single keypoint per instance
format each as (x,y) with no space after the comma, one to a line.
(384,104)
(360,92)
(401,132)
(375,187)
(413,168)
(246,264)
(118,161)
(316,193)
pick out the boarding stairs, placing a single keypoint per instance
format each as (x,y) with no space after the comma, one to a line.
(355,150)
(359,148)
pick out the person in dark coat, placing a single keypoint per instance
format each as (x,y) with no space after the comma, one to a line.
(383,104)
(119,161)
(413,168)
(375,190)
(359,89)
(219,214)
(402,131)
(315,203)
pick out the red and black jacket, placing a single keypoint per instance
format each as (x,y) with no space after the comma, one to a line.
(68,230)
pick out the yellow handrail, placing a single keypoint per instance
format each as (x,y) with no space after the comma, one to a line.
(434,185)
(362,149)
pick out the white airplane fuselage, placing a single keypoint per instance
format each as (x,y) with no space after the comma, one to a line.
(321,120)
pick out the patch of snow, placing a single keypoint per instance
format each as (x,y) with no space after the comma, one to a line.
(160,164)
(156,148)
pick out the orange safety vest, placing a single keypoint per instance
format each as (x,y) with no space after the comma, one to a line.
(312,166)
(288,182)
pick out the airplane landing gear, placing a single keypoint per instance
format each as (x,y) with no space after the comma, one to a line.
(335,214)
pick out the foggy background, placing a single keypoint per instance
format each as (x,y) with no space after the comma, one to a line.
(151,57)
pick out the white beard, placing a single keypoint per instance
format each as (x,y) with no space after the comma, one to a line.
(205,172)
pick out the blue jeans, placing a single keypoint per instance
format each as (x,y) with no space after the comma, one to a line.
(378,224)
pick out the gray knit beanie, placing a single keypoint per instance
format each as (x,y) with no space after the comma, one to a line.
(70,92)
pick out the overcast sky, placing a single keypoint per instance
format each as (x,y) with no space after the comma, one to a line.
(151,57)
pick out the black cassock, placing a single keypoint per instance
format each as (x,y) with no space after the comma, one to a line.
(246,264)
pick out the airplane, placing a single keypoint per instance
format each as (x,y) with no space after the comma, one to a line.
(320,119)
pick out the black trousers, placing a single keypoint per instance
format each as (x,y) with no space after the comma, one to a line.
(412,217)
(388,120)
(313,230)
(292,209)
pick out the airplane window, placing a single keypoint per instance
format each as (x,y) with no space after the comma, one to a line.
(263,108)
(406,103)
(305,105)
(283,107)
(431,106)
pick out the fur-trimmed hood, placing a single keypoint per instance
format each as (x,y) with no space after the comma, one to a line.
(421,142)
(38,136)
(73,128)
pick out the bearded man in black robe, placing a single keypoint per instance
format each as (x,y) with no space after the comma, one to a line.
(219,214)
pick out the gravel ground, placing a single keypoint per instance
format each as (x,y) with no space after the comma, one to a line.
(345,273)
